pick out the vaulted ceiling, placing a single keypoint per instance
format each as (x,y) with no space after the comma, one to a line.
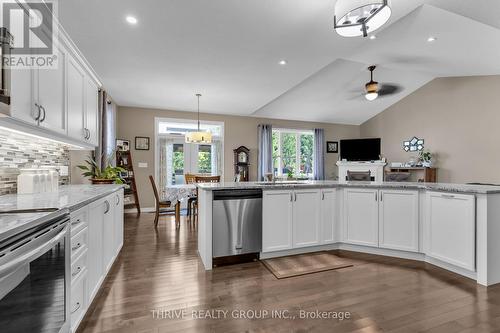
(229,51)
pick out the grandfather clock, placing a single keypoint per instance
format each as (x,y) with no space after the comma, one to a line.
(242,162)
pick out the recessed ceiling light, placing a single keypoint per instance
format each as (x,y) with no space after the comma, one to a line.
(283,62)
(373,37)
(131,20)
(431,39)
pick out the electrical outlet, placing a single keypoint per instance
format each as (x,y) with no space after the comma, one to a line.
(143,165)
(63,171)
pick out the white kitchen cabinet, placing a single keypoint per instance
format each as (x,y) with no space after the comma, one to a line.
(328,216)
(398,220)
(108,234)
(306,217)
(91,111)
(118,214)
(450,228)
(22,96)
(75,92)
(49,93)
(361,216)
(95,245)
(277,211)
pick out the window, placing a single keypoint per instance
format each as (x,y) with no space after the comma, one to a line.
(174,157)
(293,153)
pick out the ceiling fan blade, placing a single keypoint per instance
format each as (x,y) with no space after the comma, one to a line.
(389,89)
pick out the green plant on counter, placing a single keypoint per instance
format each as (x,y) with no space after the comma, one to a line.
(96,174)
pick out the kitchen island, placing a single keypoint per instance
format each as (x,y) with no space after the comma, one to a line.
(453,226)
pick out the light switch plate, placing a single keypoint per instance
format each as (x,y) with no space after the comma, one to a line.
(143,165)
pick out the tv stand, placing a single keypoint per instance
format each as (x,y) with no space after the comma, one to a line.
(376,169)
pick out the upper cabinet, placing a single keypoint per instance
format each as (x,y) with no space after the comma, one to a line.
(60,101)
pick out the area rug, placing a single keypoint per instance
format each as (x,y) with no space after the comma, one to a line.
(308,263)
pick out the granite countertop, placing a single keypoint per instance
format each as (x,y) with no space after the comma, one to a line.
(69,197)
(443,187)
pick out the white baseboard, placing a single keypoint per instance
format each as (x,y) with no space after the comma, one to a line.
(291,252)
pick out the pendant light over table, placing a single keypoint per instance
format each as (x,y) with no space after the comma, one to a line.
(198,136)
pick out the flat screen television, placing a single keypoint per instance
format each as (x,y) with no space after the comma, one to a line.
(360,149)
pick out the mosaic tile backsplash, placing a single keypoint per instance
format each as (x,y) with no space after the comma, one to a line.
(19,151)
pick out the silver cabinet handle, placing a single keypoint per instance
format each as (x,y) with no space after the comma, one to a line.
(107,207)
(78,270)
(323,196)
(447,196)
(381,197)
(295,195)
(44,114)
(76,247)
(376,196)
(291,196)
(77,221)
(77,306)
(117,199)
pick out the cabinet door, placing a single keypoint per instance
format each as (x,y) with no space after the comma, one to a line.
(328,218)
(398,220)
(109,233)
(306,217)
(91,110)
(361,216)
(49,93)
(451,225)
(277,210)
(95,251)
(76,102)
(118,221)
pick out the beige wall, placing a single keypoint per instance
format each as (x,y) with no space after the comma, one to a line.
(239,131)
(459,119)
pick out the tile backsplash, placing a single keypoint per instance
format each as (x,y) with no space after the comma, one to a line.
(22,151)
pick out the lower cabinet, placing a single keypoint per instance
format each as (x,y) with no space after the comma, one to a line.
(361,216)
(298,218)
(450,228)
(306,218)
(96,239)
(398,220)
(277,211)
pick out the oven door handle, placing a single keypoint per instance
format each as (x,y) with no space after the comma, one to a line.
(11,266)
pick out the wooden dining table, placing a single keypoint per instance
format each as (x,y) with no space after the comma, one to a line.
(178,193)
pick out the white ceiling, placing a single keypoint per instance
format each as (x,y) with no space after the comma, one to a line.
(229,52)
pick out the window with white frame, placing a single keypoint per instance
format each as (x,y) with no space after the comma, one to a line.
(293,152)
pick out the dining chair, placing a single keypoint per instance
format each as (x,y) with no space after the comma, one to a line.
(359,176)
(162,207)
(202,179)
(190,178)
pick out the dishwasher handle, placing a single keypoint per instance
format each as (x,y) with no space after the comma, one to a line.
(237,194)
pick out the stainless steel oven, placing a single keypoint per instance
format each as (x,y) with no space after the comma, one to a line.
(34,278)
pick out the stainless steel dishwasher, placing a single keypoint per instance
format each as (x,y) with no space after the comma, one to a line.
(236,222)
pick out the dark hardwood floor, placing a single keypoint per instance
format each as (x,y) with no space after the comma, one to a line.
(161,270)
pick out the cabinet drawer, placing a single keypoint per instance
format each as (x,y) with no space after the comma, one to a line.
(79,220)
(77,303)
(78,266)
(79,243)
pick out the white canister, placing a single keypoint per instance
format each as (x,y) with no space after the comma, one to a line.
(55,180)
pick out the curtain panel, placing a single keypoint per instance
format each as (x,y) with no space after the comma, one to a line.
(319,154)
(265,151)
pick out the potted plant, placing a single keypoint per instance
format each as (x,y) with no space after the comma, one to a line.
(425,158)
(108,175)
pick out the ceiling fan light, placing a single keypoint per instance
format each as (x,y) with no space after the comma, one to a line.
(355,18)
(371,96)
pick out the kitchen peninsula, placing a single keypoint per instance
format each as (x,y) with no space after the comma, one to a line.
(452,226)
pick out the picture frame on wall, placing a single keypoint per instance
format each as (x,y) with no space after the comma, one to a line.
(122,145)
(332,147)
(141,143)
